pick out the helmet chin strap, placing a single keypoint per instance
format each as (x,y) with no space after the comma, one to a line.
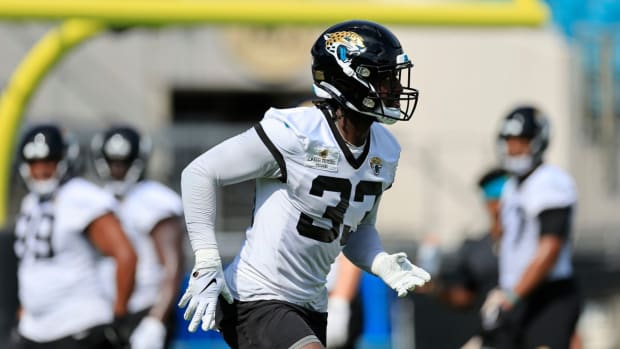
(44,187)
(328,91)
(120,187)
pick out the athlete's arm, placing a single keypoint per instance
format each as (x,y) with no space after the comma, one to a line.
(347,279)
(235,160)
(345,288)
(238,159)
(365,250)
(167,236)
(106,234)
(363,246)
(554,230)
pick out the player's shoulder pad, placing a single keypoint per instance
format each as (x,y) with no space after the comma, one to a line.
(289,128)
(385,140)
(556,179)
(86,198)
(157,196)
(552,187)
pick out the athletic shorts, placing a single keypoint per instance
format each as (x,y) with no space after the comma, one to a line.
(269,325)
(98,337)
(545,319)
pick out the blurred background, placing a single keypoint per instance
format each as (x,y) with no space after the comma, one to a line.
(192,86)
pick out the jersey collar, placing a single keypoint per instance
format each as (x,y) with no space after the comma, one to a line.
(355,163)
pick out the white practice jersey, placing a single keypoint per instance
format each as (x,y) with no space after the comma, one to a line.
(143,206)
(59,291)
(302,219)
(548,187)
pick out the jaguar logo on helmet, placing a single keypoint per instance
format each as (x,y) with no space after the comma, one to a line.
(344,45)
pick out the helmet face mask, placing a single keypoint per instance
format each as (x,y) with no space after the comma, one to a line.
(387,95)
(362,66)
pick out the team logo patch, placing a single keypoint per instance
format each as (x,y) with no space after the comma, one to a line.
(344,45)
(323,158)
(376,164)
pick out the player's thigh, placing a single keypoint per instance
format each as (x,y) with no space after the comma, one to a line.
(271,324)
(554,324)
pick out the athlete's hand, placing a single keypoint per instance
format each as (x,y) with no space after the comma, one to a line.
(150,334)
(338,315)
(205,285)
(496,305)
(398,272)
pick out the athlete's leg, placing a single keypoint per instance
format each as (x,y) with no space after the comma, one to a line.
(271,325)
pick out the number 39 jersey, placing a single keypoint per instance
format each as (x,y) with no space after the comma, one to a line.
(302,220)
(58,286)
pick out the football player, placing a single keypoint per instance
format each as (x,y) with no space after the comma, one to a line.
(150,214)
(320,172)
(536,304)
(64,224)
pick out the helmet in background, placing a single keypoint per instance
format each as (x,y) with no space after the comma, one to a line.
(46,142)
(524,122)
(120,145)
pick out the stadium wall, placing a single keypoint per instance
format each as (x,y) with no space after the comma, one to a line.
(468,79)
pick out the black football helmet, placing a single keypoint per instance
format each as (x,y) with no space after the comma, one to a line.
(123,144)
(362,66)
(47,142)
(530,123)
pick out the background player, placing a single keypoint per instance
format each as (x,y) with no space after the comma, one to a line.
(63,225)
(150,214)
(536,304)
(467,277)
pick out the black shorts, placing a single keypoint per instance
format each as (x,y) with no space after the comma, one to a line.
(98,337)
(269,325)
(545,319)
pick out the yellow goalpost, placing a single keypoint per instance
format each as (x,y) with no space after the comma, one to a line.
(84,19)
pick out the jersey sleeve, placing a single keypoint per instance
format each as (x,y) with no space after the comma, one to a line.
(556,221)
(363,246)
(555,190)
(87,202)
(235,160)
(162,203)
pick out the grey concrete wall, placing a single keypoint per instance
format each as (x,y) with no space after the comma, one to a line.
(468,78)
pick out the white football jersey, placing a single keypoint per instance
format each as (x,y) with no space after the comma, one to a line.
(302,220)
(59,291)
(548,187)
(145,204)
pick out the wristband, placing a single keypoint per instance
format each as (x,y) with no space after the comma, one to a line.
(512,297)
